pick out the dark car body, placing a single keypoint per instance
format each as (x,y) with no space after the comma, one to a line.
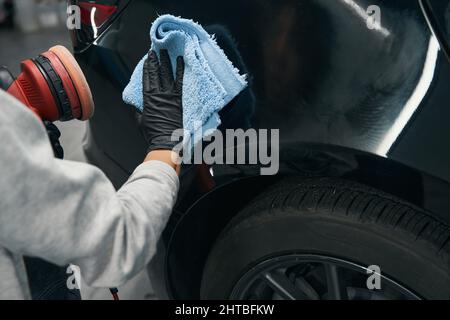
(365,104)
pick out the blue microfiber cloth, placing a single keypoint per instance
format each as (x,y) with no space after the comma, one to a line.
(210,80)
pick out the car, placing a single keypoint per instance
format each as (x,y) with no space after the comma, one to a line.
(360,205)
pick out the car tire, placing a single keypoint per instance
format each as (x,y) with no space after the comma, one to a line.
(337,219)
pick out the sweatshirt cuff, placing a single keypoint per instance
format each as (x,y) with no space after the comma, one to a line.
(158,166)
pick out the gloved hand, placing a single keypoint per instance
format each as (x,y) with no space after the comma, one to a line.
(163,112)
(54,134)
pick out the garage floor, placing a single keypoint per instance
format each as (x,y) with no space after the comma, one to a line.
(15,47)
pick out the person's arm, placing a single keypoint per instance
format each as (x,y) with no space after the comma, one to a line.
(165,156)
(68,212)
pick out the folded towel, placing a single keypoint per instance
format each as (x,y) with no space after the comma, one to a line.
(210,79)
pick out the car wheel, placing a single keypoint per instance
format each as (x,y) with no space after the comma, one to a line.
(329,239)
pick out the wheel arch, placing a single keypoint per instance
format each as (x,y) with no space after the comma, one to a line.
(197,230)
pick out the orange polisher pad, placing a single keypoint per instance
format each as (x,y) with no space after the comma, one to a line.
(78,80)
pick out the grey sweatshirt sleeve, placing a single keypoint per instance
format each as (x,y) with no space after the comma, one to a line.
(68,212)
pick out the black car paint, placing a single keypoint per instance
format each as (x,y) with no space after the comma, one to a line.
(335,88)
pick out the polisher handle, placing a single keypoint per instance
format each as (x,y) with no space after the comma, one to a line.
(6,78)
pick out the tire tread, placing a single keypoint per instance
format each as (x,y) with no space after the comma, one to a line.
(353,201)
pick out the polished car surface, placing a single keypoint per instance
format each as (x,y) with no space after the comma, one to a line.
(351,100)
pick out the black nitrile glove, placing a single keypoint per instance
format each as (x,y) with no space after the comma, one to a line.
(54,134)
(163,112)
